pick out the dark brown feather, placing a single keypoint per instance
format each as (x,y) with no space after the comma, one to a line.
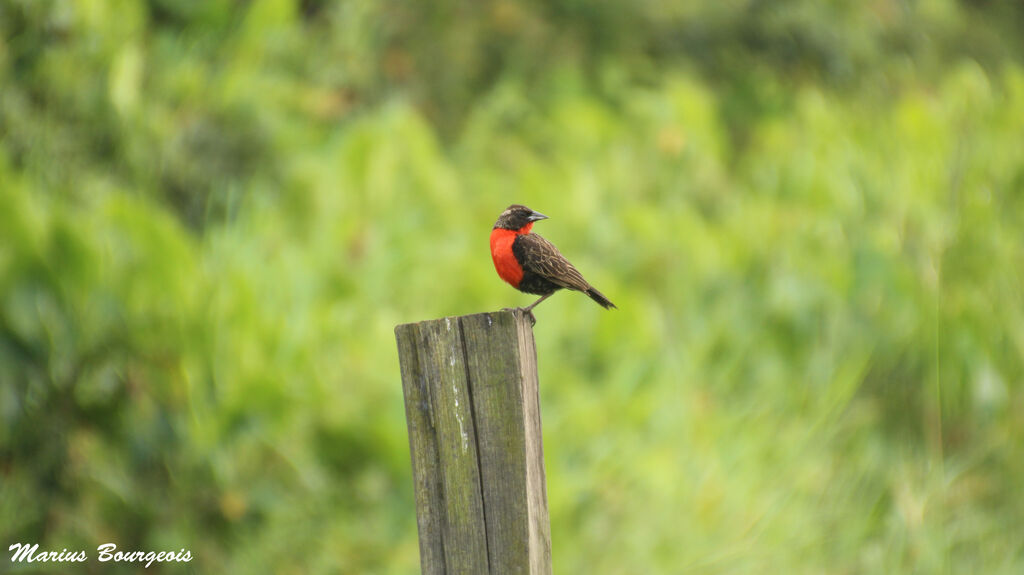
(541,260)
(541,257)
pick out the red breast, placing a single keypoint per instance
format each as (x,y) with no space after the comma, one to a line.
(501,252)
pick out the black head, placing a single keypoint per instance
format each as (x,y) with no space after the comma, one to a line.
(515,217)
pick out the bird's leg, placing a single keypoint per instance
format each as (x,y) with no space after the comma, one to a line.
(525,311)
(534,304)
(529,309)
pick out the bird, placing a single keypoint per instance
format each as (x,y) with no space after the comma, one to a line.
(532,264)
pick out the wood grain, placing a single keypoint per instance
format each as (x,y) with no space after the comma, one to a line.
(473,412)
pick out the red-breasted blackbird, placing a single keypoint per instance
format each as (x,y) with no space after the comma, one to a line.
(530,263)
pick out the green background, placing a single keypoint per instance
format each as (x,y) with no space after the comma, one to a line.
(810,214)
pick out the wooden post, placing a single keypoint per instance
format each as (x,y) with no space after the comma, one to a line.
(473,410)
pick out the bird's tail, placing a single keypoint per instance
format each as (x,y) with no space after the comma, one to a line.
(599,298)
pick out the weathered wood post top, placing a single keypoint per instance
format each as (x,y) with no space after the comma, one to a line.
(473,410)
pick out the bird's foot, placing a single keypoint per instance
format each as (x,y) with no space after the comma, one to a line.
(525,311)
(529,314)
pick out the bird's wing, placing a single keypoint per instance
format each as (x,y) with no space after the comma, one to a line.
(541,257)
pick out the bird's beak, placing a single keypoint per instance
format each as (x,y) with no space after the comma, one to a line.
(536,216)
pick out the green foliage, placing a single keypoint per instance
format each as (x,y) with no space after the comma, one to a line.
(809,214)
